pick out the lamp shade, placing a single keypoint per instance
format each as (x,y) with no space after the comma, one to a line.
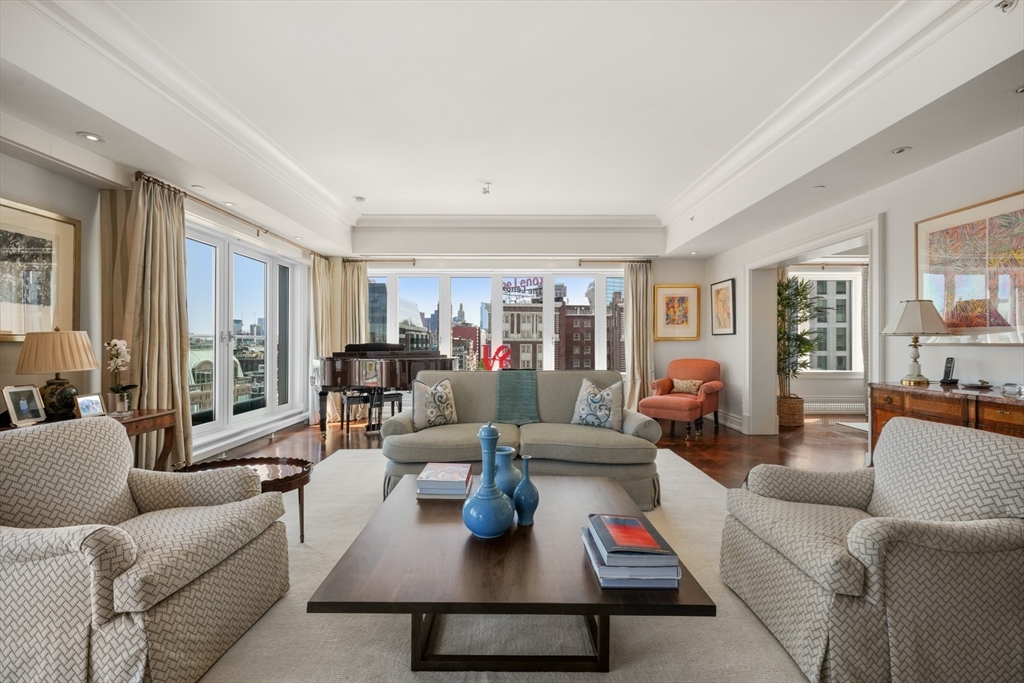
(916,317)
(46,352)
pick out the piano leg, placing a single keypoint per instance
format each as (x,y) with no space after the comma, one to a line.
(323,414)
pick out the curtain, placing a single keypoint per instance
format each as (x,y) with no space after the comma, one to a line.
(323,338)
(639,324)
(354,303)
(146,304)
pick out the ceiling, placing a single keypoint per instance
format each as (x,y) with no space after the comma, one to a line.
(609,110)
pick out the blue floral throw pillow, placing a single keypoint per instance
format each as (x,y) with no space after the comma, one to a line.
(433,406)
(599,407)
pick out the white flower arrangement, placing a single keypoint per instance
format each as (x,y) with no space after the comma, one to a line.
(119,359)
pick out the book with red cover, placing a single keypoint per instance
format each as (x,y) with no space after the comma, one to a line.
(628,541)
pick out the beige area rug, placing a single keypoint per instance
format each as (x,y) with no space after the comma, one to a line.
(290,646)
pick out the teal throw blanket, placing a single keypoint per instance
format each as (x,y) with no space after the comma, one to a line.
(517,397)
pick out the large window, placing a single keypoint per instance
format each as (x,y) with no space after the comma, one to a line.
(574,310)
(378,309)
(470,318)
(838,341)
(614,319)
(418,323)
(522,299)
(201,276)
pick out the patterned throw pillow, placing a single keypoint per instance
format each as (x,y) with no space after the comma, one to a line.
(686,386)
(599,407)
(433,406)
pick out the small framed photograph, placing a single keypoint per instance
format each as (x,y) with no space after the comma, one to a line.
(89,405)
(24,405)
(723,307)
(676,312)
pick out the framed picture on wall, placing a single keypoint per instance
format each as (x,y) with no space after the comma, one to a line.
(970,263)
(38,271)
(676,312)
(723,307)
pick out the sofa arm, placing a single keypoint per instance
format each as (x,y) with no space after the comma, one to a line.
(164,490)
(707,388)
(637,424)
(397,424)
(662,386)
(872,540)
(844,489)
(108,551)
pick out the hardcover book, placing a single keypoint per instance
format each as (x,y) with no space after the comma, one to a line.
(636,574)
(627,541)
(444,477)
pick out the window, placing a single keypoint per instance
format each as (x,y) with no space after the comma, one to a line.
(822,316)
(841,363)
(840,310)
(470,303)
(574,300)
(250,340)
(576,322)
(588,350)
(200,276)
(822,341)
(575,362)
(614,312)
(575,350)
(586,336)
(377,289)
(841,286)
(586,323)
(841,339)
(586,362)
(418,313)
(283,332)
(822,362)
(822,287)
(576,336)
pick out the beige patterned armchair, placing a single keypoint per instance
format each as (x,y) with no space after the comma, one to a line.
(911,571)
(109,573)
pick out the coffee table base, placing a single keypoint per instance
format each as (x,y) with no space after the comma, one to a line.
(598,628)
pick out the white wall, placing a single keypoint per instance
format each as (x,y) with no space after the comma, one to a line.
(681,272)
(984,172)
(27,184)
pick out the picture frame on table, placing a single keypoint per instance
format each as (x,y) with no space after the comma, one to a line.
(676,312)
(39,273)
(89,405)
(970,263)
(723,307)
(24,405)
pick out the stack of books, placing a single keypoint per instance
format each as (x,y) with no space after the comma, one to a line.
(628,552)
(443,481)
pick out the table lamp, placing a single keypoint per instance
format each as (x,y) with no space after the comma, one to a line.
(914,318)
(57,352)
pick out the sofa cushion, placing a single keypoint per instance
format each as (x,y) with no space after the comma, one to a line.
(813,537)
(557,391)
(476,392)
(447,443)
(433,406)
(178,545)
(672,407)
(578,443)
(599,407)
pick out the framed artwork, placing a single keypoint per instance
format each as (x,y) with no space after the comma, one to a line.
(38,271)
(676,312)
(970,262)
(723,307)
(24,405)
(89,405)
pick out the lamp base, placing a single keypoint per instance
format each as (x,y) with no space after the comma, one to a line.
(59,398)
(915,381)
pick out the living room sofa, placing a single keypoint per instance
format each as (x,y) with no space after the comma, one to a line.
(120,575)
(910,571)
(557,447)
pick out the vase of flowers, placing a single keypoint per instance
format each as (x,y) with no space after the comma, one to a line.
(120,398)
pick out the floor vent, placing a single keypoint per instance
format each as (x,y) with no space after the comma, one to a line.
(833,407)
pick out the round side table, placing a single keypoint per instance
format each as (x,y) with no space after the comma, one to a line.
(276,474)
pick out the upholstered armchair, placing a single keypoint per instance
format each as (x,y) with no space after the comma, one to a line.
(690,408)
(911,571)
(109,573)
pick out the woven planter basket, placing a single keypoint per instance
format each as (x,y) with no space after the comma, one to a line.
(791,412)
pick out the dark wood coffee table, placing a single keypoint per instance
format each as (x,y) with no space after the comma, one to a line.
(417,557)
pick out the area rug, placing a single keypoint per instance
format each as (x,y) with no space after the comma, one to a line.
(290,646)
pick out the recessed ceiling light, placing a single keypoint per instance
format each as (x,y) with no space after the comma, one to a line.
(229,204)
(694,253)
(1019,90)
(359,200)
(296,237)
(818,187)
(198,187)
(91,137)
(900,150)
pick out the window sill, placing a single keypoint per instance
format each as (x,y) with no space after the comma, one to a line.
(830,374)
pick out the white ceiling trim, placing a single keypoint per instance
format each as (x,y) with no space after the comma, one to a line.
(902,33)
(102,25)
(464,222)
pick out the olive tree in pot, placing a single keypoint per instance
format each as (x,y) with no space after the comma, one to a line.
(796,306)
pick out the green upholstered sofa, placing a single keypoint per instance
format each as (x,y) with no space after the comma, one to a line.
(557,447)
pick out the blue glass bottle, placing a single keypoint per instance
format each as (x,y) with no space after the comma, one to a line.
(507,476)
(526,497)
(488,513)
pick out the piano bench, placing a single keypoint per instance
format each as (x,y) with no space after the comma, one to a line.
(391,397)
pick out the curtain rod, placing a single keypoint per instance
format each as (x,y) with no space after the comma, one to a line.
(139,175)
(380,260)
(613,260)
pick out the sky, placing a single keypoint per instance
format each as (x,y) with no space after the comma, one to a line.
(250,290)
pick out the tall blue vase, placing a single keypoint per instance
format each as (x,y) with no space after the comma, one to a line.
(488,513)
(507,476)
(526,497)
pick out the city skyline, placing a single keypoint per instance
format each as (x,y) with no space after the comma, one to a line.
(249,302)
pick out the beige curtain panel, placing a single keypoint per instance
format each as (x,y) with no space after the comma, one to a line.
(322,331)
(143,244)
(354,303)
(639,324)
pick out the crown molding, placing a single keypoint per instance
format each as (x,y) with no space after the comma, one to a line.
(404,222)
(108,32)
(906,30)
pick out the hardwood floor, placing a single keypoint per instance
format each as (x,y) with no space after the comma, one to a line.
(725,455)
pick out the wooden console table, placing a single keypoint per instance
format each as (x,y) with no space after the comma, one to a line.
(144,420)
(988,410)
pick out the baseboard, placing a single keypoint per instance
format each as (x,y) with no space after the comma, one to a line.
(729,420)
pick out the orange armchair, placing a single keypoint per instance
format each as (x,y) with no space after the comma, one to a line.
(689,408)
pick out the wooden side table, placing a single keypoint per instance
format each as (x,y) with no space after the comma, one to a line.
(145,420)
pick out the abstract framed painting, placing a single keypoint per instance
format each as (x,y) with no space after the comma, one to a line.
(970,263)
(723,307)
(676,312)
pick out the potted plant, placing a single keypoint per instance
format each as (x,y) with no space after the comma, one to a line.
(796,306)
(121,394)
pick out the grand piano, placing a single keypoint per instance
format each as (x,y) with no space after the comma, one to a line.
(372,370)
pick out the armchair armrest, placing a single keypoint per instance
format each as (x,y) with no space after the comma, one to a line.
(637,424)
(662,386)
(844,489)
(163,490)
(712,387)
(872,541)
(108,550)
(397,424)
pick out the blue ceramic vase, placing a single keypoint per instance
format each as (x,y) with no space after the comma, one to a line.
(507,476)
(526,497)
(488,513)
